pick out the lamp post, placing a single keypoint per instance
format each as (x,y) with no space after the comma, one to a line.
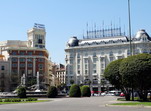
(131,53)
(129,22)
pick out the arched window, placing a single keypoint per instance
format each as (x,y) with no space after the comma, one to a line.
(94,54)
(78,56)
(111,53)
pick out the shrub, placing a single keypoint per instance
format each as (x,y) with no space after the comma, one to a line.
(85,91)
(21,92)
(1,100)
(16,100)
(7,100)
(31,99)
(52,92)
(75,91)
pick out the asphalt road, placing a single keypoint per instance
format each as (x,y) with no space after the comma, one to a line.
(72,104)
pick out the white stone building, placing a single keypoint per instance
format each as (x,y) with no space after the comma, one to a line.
(87,58)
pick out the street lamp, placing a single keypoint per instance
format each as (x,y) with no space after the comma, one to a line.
(129,21)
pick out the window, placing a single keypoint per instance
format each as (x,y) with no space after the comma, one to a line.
(30,65)
(71,69)
(86,66)
(22,59)
(102,65)
(94,71)
(30,53)
(78,66)
(94,60)
(22,53)
(39,41)
(40,66)
(41,53)
(102,53)
(71,61)
(41,60)
(86,54)
(94,54)
(78,71)
(14,65)
(78,61)
(78,56)
(119,52)
(102,59)
(86,71)
(14,53)
(22,65)
(111,53)
(29,59)
(111,59)
(71,56)
(94,66)
(2,67)
(14,59)
(85,60)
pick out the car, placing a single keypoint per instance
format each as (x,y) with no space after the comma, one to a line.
(122,94)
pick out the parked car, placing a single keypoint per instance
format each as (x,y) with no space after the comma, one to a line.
(122,94)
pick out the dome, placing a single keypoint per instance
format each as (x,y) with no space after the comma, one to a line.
(73,41)
(142,33)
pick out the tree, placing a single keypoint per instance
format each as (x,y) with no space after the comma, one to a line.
(71,81)
(135,71)
(112,74)
(75,91)
(21,92)
(85,91)
(52,92)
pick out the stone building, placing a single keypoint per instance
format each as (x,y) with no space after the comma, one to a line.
(27,57)
(87,58)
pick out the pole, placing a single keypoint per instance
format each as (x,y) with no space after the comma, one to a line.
(129,19)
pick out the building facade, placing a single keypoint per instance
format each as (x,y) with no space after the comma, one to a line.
(4,74)
(59,74)
(87,58)
(27,57)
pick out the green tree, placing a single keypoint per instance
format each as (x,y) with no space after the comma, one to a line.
(85,91)
(135,71)
(112,74)
(52,92)
(75,91)
(71,81)
(21,92)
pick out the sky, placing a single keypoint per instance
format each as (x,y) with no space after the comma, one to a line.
(66,18)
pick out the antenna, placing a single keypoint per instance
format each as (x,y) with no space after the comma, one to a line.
(95,29)
(87,31)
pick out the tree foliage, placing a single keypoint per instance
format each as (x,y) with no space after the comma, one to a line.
(112,73)
(85,91)
(75,91)
(52,92)
(135,71)
(21,92)
(131,73)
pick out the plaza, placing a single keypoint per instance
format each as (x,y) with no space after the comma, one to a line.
(73,104)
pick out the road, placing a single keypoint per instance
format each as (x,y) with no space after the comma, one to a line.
(72,104)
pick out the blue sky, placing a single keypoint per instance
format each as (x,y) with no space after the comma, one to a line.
(66,18)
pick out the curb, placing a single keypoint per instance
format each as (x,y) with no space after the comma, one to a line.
(138,106)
